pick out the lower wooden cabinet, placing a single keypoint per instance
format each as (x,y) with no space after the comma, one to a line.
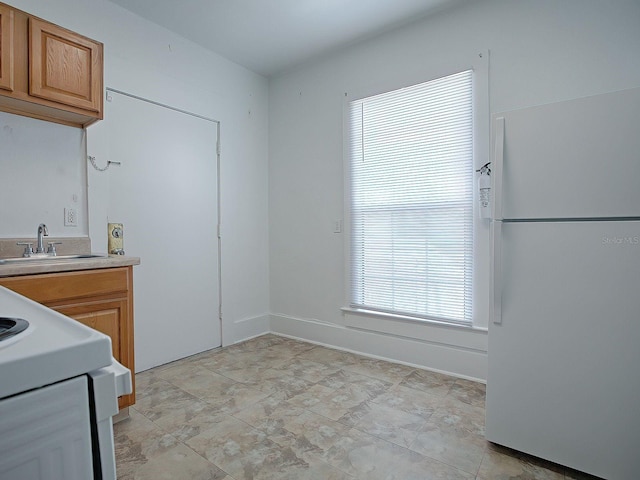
(101,299)
(106,320)
(109,317)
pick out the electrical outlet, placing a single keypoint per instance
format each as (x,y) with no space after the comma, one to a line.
(70,217)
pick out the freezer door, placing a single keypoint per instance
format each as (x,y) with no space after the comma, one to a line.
(572,159)
(563,380)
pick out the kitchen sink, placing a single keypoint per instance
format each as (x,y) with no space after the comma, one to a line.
(50,258)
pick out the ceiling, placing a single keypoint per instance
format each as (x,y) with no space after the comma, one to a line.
(270,36)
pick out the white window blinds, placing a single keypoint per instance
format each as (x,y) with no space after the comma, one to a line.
(411,155)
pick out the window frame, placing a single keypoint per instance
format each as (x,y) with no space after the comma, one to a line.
(478,62)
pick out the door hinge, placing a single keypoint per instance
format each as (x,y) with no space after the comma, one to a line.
(219,231)
(218,148)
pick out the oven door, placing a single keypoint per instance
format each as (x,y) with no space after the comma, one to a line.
(46,433)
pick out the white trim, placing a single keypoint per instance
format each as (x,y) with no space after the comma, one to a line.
(416,321)
(463,362)
(437,333)
(247,328)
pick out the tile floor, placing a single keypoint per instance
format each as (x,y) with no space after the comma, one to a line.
(276,408)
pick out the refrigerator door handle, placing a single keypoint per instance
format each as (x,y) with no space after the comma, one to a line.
(498,160)
(495,285)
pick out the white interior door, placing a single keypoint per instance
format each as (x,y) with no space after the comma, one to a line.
(165,194)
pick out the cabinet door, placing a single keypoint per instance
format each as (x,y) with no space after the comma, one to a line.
(110,317)
(64,67)
(6,48)
(106,321)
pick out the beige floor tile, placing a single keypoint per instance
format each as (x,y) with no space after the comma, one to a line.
(166,400)
(344,377)
(247,453)
(409,400)
(219,358)
(185,424)
(461,448)
(427,469)
(310,427)
(499,466)
(344,404)
(365,456)
(138,438)
(198,381)
(454,434)
(145,383)
(255,414)
(177,462)
(311,396)
(236,397)
(466,391)
(459,415)
(430,382)
(391,424)
(308,369)
(389,372)
(330,356)
(277,381)
(274,408)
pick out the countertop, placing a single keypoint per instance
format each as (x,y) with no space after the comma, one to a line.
(33,267)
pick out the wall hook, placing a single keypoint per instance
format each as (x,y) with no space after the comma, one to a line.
(93,163)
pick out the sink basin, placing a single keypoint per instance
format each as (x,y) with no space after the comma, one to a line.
(49,258)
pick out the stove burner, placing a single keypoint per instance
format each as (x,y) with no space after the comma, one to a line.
(11,326)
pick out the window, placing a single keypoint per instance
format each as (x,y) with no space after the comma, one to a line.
(411,175)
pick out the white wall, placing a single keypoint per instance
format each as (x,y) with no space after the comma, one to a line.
(146,60)
(541,51)
(40,176)
(282,211)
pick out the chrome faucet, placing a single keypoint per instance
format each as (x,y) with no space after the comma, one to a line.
(42,231)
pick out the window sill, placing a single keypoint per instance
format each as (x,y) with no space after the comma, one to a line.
(417,321)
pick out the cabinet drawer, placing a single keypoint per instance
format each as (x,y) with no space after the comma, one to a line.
(58,287)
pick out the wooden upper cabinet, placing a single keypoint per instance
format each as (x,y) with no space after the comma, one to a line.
(64,67)
(49,72)
(6,48)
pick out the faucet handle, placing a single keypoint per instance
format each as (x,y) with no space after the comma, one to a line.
(52,248)
(28,249)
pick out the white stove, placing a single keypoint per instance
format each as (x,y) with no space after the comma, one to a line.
(58,391)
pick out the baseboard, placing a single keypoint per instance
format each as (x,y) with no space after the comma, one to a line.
(469,363)
(248,328)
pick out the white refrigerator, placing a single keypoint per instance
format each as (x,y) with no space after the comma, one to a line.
(564,335)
